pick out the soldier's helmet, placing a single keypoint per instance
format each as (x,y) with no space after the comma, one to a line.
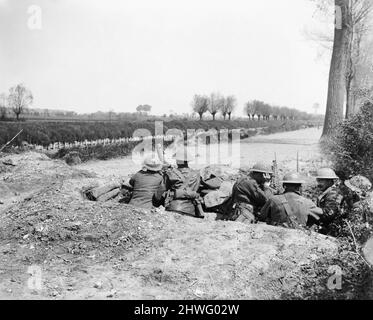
(152,163)
(326,173)
(292,178)
(359,184)
(262,167)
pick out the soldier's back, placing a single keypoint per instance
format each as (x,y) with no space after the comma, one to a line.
(145,184)
(289,209)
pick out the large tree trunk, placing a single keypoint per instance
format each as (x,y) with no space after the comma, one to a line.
(200,116)
(349,99)
(229,116)
(337,73)
(350,75)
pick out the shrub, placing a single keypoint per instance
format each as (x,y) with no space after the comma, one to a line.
(351,149)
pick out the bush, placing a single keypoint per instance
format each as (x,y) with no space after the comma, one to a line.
(351,149)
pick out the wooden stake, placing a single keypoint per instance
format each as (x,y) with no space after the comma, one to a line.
(297,161)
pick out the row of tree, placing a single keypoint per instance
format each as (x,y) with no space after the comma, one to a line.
(216,102)
(266,111)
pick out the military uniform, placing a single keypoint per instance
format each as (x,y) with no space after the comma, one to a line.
(330,201)
(246,201)
(145,184)
(181,185)
(289,210)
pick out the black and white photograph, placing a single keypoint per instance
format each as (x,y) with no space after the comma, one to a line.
(202,153)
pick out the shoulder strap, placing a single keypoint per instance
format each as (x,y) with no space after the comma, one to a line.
(323,194)
(285,203)
(288,210)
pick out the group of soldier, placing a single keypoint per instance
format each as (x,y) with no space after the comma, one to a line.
(253,198)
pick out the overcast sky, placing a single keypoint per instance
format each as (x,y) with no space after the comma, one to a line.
(112,54)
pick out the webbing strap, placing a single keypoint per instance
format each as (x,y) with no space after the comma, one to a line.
(285,203)
(288,211)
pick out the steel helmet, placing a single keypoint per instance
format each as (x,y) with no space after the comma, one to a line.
(261,167)
(326,173)
(151,163)
(359,183)
(292,178)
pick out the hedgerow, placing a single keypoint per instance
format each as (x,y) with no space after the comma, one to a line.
(45,133)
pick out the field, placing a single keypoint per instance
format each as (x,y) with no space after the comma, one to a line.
(78,249)
(45,133)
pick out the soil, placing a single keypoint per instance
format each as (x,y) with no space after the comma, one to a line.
(54,244)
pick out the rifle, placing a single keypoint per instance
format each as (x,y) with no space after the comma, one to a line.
(276,179)
(161,153)
(297,161)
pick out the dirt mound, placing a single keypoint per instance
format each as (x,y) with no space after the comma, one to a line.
(139,253)
(158,254)
(57,216)
(229,260)
(30,172)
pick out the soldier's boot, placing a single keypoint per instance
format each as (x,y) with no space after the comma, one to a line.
(199,211)
(199,215)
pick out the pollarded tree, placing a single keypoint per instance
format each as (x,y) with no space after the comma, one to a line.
(266,111)
(19,99)
(259,107)
(250,109)
(285,113)
(200,104)
(276,111)
(216,102)
(229,106)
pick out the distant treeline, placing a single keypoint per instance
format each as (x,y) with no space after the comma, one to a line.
(45,133)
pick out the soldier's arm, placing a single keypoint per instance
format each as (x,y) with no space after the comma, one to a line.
(260,196)
(131,182)
(332,205)
(312,209)
(269,192)
(159,195)
(265,212)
